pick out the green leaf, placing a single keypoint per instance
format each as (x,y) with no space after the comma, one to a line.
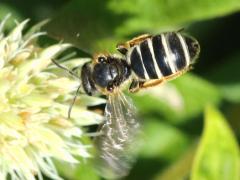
(83,170)
(98,25)
(179,169)
(218,154)
(178,100)
(156,14)
(162,141)
(86,171)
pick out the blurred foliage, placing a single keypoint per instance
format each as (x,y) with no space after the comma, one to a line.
(113,19)
(172,114)
(179,100)
(218,152)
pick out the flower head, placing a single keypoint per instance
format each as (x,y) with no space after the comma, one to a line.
(34,101)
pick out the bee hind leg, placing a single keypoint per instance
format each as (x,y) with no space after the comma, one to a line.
(138,39)
(123,47)
(135,86)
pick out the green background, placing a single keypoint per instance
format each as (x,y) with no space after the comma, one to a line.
(185,136)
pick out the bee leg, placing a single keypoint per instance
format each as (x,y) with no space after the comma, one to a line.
(123,47)
(151,83)
(117,81)
(138,39)
(136,86)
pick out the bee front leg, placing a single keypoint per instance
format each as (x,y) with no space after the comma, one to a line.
(123,47)
(135,86)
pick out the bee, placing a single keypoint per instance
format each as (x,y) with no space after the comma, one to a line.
(145,61)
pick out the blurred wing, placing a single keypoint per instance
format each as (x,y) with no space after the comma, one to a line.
(117,142)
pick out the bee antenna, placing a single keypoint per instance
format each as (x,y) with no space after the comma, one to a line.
(66,69)
(73,101)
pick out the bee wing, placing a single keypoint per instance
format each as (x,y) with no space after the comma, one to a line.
(117,143)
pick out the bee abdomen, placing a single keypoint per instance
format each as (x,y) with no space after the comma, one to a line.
(159,56)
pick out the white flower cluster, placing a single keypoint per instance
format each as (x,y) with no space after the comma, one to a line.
(34,101)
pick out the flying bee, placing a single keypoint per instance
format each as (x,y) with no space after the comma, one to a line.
(145,61)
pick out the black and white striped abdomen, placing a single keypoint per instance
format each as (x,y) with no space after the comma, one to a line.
(162,55)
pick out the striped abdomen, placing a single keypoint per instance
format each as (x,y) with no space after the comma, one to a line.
(162,55)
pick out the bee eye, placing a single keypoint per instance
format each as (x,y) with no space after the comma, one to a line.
(101,59)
